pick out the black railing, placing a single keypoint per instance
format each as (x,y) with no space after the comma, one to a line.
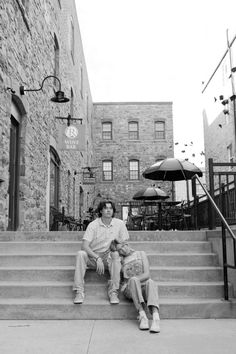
(60,221)
(224,226)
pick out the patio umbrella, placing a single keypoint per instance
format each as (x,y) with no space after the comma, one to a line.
(150,193)
(172,169)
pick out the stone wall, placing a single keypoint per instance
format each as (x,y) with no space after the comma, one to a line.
(26,58)
(120,149)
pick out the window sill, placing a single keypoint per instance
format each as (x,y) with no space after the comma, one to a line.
(107,182)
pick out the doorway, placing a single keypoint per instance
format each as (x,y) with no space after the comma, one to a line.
(13,219)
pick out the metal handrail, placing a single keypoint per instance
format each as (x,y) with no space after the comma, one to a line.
(225,225)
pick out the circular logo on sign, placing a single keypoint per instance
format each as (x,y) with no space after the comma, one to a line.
(71,132)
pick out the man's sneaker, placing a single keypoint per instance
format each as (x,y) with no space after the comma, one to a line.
(114,298)
(155,327)
(143,323)
(79,297)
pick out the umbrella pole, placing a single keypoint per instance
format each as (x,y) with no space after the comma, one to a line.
(187,187)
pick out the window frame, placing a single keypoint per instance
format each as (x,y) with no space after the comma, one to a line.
(55,166)
(132,171)
(135,132)
(107,132)
(110,171)
(162,132)
(72,40)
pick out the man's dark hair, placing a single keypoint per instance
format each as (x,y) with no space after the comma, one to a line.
(103,204)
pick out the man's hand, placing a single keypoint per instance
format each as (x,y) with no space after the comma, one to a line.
(100,266)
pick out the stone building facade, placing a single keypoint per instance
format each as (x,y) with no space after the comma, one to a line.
(41,50)
(219,113)
(40,39)
(127,138)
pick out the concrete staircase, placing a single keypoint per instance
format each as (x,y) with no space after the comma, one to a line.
(37,269)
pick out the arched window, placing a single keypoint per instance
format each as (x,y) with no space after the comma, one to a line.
(133,131)
(107,170)
(107,131)
(54,178)
(134,170)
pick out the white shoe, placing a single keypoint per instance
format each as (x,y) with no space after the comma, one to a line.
(155,327)
(143,323)
(79,297)
(114,298)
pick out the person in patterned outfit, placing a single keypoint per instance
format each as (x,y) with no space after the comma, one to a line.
(137,284)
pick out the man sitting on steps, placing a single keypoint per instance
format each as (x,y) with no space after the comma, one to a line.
(95,251)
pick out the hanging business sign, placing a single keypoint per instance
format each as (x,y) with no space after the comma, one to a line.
(72,137)
(89,177)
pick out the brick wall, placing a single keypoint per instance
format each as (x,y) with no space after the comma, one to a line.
(120,149)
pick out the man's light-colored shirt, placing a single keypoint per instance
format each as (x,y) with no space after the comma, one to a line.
(100,235)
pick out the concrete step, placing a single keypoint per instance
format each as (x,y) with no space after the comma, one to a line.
(77,235)
(58,309)
(66,273)
(50,289)
(68,247)
(69,259)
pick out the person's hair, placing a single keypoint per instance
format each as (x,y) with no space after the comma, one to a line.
(103,204)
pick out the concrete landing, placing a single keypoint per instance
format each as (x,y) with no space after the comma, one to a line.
(116,337)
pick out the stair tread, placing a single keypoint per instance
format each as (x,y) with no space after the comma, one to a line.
(79,242)
(63,283)
(64,267)
(91,300)
(74,253)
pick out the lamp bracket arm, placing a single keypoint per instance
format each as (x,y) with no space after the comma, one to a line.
(41,87)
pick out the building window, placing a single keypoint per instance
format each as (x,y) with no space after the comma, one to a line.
(133,169)
(54,178)
(71,102)
(24,9)
(133,131)
(107,131)
(72,40)
(56,61)
(230,155)
(74,198)
(68,192)
(159,130)
(81,82)
(107,170)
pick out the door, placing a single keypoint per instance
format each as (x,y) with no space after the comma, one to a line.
(13,219)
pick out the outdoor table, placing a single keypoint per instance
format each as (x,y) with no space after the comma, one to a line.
(163,208)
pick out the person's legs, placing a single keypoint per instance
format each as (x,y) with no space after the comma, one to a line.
(82,260)
(114,265)
(133,291)
(151,295)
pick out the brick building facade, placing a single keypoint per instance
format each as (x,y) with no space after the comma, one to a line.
(127,138)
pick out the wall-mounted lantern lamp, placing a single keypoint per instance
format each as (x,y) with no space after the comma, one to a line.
(59,95)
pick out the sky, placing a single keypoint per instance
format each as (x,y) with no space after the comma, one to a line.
(157,50)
